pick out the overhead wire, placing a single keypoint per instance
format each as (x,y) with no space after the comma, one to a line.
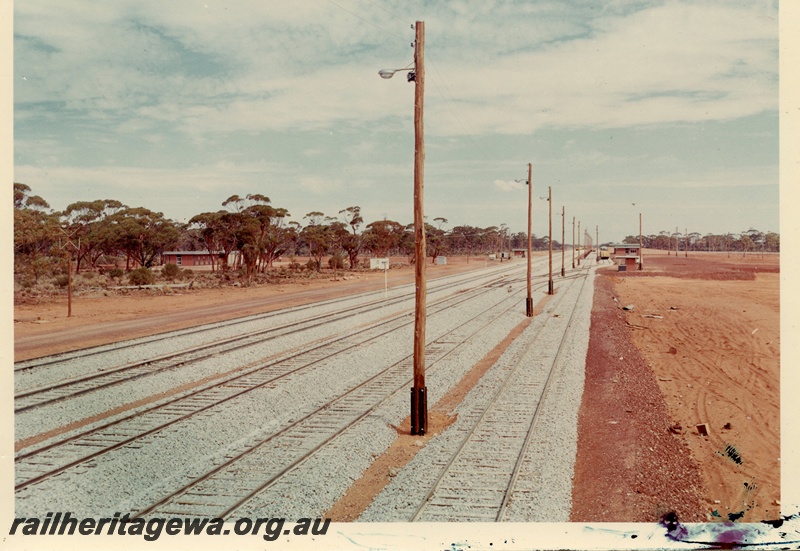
(390,12)
(366,20)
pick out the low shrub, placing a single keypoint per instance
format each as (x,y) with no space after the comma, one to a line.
(336,261)
(170,271)
(141,276)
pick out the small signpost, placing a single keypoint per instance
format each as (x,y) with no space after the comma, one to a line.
(381,264)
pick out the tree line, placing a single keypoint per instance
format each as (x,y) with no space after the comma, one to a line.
(247,234)
(751,240)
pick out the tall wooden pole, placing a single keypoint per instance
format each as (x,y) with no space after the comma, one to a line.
(597,241)
(641,250)
(580,243)
(573,242)
(686,242)
(529,299)
(419,399)
(550,239)
(563,251)
(69,280)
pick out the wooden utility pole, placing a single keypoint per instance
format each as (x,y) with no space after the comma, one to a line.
(563,251)
(686,242)
(69,281)
(550,239)
(641,249)
(579,243)
(597,241)
(573,242)
(529,299)
(69,248)
(419,398)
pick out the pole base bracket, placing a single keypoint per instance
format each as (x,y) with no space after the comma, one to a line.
(529,307)
(419,410)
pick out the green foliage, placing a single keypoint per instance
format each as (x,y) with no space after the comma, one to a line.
(336,261)
(383,236)
(170,271)
(62,280)
(141,276)
(115,273)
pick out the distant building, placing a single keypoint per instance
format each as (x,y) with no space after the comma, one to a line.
(626,256)
(188,258)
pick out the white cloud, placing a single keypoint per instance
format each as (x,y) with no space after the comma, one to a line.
(508,185)
(280,66)
(185,84)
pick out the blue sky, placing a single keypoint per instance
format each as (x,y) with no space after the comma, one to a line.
(668,108)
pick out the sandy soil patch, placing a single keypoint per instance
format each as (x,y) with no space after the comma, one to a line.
(44,328)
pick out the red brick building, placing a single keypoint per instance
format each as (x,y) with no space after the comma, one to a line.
(187,258)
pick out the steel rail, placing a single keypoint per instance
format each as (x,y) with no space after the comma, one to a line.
(498,393)
(80,353)
(385,376)
(442,304)
(146,367)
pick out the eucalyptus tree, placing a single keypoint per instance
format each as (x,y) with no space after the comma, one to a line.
(84,221)
(211,229)
(140,234)
(316,236)
(435,241)
(351,243)
(382,236)
(36,233)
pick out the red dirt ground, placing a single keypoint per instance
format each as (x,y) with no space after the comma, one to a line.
(701,346)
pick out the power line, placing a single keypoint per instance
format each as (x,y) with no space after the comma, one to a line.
(447,98)
(368,22)
(399,17)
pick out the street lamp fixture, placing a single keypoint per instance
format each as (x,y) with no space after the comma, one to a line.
(389,73)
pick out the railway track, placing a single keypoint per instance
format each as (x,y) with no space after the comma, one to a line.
(224,489)
(184,356)
(509,453)
(479,480)
(400,293)
(232,476)
(54,458)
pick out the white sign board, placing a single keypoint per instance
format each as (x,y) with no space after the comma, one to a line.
(378,263)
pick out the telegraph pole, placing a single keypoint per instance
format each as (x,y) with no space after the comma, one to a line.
(550,239)
(597,241)
(419,398)
(69,248)
(579,243)
(686,241)
(529,299)
(573,242)
(563,251)
(641,250)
